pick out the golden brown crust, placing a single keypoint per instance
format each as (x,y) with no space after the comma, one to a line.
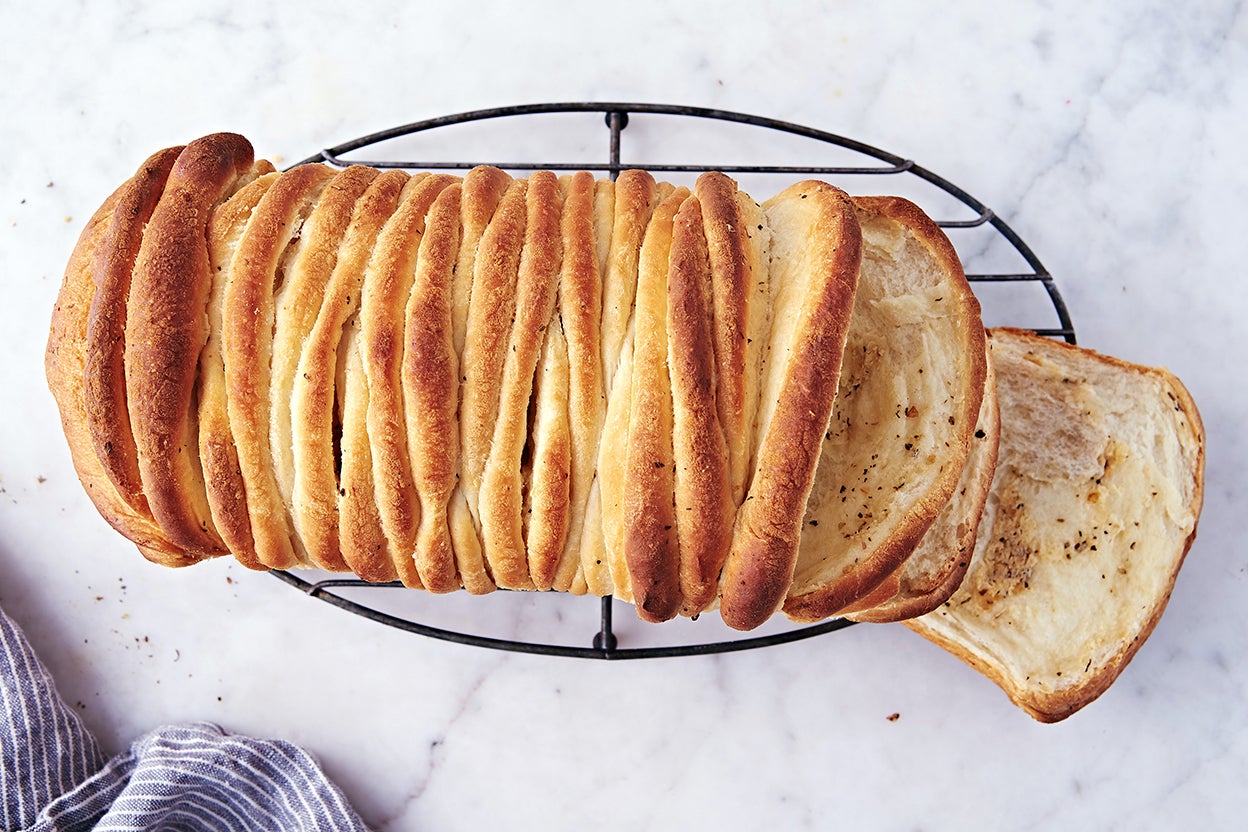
(490,316)
(760,566)
(632,201)
(501,496)
(703,499)
(223,478)
(651,548)
(387,289)
(736,272)
(166,327)
(887,589)
(315,412)
(63,362)
(298,304)
(104,373)
(431,390)
(483,189)
(547,509)
(247,347)
(818,599)
(580,308)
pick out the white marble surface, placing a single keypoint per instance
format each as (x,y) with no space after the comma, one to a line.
(1110,138)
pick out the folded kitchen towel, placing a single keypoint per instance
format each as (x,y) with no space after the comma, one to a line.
(185,777)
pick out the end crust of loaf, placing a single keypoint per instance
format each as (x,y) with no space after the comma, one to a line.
(64,363)
(104,371)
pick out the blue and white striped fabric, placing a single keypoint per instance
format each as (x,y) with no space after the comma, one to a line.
(184,777)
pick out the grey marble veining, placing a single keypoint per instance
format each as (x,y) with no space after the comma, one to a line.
(1109,136)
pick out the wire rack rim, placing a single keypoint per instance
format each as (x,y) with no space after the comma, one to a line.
(609,108)
(320,591)
(616,167)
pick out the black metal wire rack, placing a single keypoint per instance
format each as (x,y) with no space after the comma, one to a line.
(817,145)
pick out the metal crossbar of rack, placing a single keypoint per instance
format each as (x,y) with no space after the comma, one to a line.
(605,643)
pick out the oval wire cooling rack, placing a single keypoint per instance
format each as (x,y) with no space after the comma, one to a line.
(814,151)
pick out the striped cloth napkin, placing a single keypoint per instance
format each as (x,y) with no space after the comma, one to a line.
(182,777)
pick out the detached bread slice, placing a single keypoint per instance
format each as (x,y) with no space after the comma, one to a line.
(910,392)
(1098,489)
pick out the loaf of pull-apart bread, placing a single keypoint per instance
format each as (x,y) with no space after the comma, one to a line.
(626,388)
(679,397)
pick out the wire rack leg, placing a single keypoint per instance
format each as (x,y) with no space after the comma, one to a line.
(605,639)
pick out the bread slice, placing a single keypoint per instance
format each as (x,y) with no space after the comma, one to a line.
(167,321)
(644,513)
(703,503)
(431,389)
(387,288)
(319,497)
(813,264)
(297,303)
(1095,503)
(736,237)
(631,203)
(501,500)
(223,477)
(248,319)
(483,191)
(937,565)
(588,213)
(64,363)
(491,311)
(104,379)
(910,392)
